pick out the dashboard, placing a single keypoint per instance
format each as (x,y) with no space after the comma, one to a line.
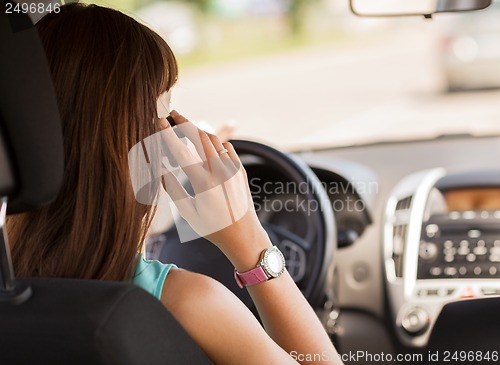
(439,248)
(433,236)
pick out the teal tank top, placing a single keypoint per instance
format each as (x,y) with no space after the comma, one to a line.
(150,275)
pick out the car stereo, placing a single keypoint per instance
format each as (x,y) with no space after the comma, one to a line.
(441,245)
(460,245)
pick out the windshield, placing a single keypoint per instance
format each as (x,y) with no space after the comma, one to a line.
(305,74)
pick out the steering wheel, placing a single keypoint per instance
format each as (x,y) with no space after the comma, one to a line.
(315,251)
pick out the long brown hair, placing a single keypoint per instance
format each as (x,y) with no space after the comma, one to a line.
(108,71)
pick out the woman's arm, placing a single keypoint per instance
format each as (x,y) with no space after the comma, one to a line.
(287,317)
(219,322)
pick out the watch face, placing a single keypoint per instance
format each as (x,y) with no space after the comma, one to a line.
(274,262)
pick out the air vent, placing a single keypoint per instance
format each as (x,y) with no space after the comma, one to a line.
(400,227)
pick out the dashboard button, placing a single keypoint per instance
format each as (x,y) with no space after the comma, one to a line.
(477,271)
(449,258)
(480,250)
(443,292)
(448,244)
(495,258)
(492,270)
(431,230)
(471,257)
(462,270)
(428,251)
(449,251)
(450,271)
(469,214)
(490,291)
(474,233)
(494,254)
(415,321)
(463,251)
(435,271)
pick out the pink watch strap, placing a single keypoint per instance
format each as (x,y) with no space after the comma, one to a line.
(251,277)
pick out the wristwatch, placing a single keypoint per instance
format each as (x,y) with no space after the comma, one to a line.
(270,266)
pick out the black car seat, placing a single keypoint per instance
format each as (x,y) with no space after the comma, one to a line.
(62,321)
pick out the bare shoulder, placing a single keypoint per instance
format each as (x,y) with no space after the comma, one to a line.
(218,321)
(176,281)
(194,299)
(183,290)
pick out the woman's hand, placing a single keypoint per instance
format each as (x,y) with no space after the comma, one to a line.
(221,208)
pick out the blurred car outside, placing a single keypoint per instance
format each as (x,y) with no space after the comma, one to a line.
(469,50)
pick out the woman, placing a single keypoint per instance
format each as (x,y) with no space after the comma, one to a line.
(109,72)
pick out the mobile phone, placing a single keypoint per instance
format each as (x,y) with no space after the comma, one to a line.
(171,120)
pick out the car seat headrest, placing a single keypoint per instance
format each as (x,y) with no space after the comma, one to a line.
(31,145)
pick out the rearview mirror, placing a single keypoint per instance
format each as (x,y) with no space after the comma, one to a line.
(381,8)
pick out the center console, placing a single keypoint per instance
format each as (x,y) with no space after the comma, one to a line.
(441,244)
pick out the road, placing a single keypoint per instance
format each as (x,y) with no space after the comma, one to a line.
(378,87)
